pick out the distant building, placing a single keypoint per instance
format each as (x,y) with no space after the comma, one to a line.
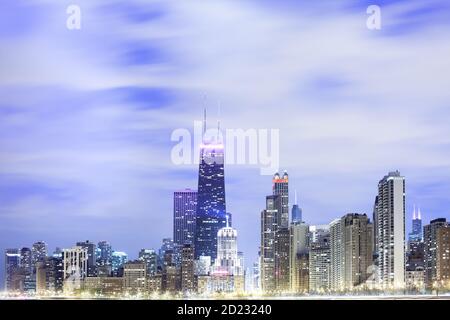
(390,232)
(269,228)
(105,286)
(75,268)
(12,270)
(416,235)
(154,283)
(296,213)
(319,261)
(415,255)
(443,255)
(104,253)
(91,262)
(54,274)
(184,213)
(351,251)
(187,269)
(436,256)
(150,258)
(211,205)
(38,252)
(119,258)
(135,276)
(27,271)
(299,249)
(41,280)
(280,187)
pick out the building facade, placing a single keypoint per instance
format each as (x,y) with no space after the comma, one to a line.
(390,233)
(184,213)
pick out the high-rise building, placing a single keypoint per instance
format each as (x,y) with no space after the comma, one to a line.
(150,258)
(91,262)
(435,250)
(319,260)
(296,212)
(415,255)
(281,187)
(337,255)
(75,267)
(227,261)
(41,280)
(350,251)
(390,233)
(104,253)
(38,252)
(12,270)
(27,271)
(184,211)
(211,209)
(416,233)
(187,268)
(299,247)
(282,259)
(54,274)
(167,245)
(135,276)
(269,228)
(443,255)
(25,260)
(119,258)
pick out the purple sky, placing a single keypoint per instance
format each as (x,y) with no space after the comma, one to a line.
(86,115)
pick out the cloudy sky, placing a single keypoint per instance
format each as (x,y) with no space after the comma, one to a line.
(86,115)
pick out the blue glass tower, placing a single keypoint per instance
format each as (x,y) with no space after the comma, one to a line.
(211,211)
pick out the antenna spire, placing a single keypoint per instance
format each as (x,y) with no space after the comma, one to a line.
(414,213)
(295,201)
(420,215)
(228,224)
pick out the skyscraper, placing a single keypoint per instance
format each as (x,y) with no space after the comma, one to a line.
(416,233)
(296,211)
(390,233)
(433,250)
(351,251)
(281,187)
(211,210)
(227,261)
(75,267)
(119,258)
(104,253)
(269,228)
(91,261)
(319,260)
(54,274)
(12,269)
(184,211)
(38,252)
(299,252)
(27,270)
(415,255)
(187,268)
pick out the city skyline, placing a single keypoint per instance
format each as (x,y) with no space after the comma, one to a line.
(85,124)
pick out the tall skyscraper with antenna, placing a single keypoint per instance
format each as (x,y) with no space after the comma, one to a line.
(416,233)
(211,210)
(296,211)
